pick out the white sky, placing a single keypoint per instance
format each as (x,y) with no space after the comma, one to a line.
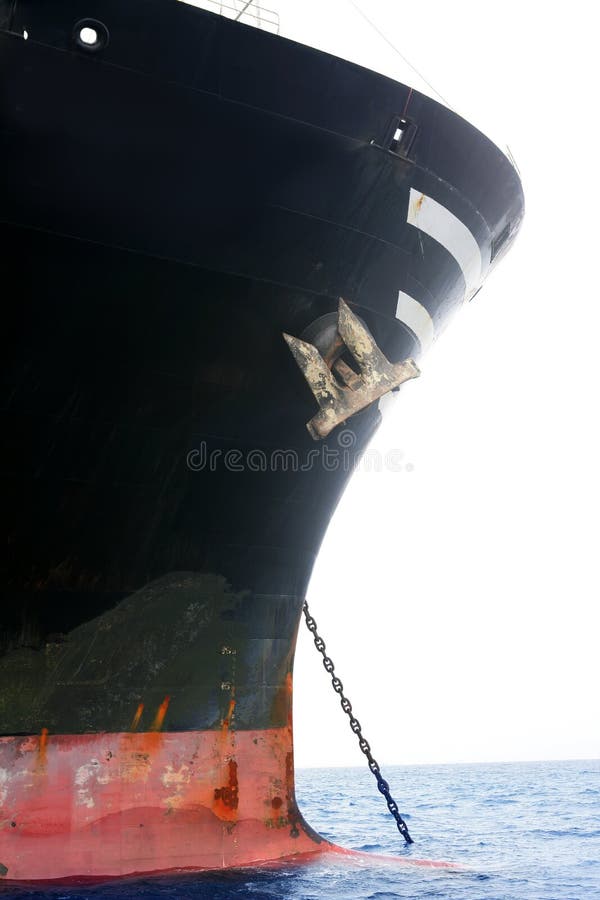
(460,600)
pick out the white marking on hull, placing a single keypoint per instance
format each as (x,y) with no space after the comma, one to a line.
(443,226)
(414,315)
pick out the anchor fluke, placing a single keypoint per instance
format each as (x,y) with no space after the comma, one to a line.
(340,399)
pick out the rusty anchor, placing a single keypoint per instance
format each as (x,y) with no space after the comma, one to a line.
(343,396)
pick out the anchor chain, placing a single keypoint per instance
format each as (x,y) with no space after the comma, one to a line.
(363,743)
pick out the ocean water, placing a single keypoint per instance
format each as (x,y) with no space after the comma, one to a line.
(522,831)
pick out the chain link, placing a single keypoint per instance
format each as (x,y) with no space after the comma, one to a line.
(363,743)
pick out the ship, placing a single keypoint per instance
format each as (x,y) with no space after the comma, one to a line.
(222,249)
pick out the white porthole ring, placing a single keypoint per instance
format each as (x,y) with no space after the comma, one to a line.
(90,35)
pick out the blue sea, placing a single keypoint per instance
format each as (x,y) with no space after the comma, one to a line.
(523,831)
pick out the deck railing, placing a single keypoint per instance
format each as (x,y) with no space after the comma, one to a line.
(249,13)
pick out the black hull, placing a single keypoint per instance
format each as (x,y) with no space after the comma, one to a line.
(166,216)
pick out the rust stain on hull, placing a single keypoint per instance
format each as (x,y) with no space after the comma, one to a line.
(42,750)
(226,798)
(159,718)
(137,717)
